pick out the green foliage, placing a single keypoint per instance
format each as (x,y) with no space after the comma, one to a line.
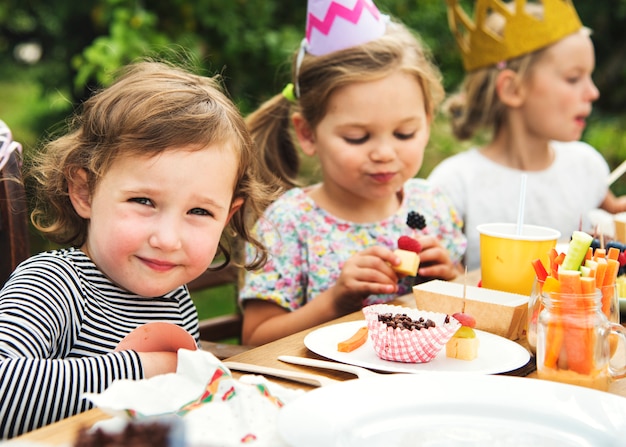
(607,135)
(233,38)
(249,42)
(132,34)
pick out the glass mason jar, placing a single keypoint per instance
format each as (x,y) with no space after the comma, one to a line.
(573,341)
(610,308)
(535,306)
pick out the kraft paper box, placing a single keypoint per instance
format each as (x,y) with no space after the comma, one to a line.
(500,313)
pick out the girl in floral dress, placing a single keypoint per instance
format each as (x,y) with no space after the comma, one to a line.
(364,109)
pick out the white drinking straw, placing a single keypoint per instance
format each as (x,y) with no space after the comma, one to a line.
(617,173)
(522,200)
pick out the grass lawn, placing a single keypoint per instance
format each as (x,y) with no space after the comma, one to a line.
(215,301)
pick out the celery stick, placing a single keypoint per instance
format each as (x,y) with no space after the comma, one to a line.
(576,251)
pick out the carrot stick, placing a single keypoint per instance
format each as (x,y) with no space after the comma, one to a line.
(576,329)
(608,294)
(554,337)
(540,270)
(599,253)
(355,341)
(588,285)
(577,336)
(558,261)
(554,341)
(552,255)
(601,271)
(570,282)
(611,272)
(613,253)
(607,285)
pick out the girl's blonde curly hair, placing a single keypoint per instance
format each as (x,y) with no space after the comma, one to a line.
(150,108)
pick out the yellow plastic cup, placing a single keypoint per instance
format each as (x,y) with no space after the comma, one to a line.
(506,257)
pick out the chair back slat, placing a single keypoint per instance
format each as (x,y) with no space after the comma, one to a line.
(213,331)
(14,239)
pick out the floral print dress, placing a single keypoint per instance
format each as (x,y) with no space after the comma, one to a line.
(308,246)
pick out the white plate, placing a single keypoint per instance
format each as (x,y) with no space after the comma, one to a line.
(451,410)
(495,354)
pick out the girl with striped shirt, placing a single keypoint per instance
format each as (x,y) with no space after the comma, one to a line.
(140,190)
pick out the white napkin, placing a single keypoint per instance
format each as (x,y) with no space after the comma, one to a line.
(215,408)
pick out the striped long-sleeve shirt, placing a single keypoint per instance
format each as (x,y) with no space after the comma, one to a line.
(60,321)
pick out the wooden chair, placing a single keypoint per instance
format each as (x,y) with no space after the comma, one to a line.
(14,239)
(213,331)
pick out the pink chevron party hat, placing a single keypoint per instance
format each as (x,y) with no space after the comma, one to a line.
(334,25)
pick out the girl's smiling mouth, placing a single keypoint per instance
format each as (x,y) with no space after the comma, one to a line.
(159,266)
(383,177)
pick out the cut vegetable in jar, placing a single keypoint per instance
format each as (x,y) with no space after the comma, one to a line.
(571,283)
(540,270)
(577,250)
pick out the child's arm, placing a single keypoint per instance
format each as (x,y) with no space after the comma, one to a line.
(613,204)
(41,316)
(35,392)
(364,274)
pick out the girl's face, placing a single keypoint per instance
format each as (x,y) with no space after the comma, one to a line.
(560,91)
(155,222)
(371,139)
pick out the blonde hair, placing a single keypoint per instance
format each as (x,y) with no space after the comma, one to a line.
(151,108)
(477,105)
(319,76)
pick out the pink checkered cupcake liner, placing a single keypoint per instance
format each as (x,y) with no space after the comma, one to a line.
(408,346)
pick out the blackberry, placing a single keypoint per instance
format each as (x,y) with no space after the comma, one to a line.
(416,221)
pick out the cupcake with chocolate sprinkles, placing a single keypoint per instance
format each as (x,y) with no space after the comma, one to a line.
(402,334)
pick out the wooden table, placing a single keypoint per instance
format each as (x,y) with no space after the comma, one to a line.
(63,432)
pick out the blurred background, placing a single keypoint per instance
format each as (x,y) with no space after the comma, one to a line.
(54,53)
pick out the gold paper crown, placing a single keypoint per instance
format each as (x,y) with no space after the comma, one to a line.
(522,33)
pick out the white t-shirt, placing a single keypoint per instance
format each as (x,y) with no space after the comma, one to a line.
(559,197)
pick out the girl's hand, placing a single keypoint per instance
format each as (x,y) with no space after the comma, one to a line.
(366,273)
(435,260)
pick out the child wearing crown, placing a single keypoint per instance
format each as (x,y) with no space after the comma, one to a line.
(528,81)
(363,97)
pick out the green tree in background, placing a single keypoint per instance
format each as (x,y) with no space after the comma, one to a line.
(249,42)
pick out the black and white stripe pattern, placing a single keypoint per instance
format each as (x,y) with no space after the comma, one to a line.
(60,320)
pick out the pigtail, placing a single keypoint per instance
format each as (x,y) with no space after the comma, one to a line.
(269,126)
(477,107)
(456,109)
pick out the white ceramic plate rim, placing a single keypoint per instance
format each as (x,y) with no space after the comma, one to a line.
(431,407)
(495,354)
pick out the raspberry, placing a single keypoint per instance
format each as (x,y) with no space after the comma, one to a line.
(416,221)
(465,319)
(622,258)
(408,243)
